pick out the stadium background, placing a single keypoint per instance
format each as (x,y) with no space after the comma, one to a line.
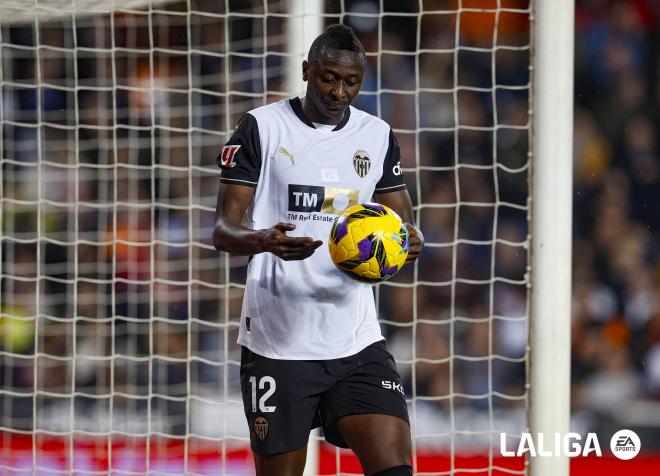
(616,277)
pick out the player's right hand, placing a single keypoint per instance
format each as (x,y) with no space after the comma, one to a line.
(276,241)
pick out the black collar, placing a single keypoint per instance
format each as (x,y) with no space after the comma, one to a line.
(296,105)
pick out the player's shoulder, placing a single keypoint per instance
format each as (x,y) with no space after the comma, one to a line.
(271,111)
(262,118)
(363,119)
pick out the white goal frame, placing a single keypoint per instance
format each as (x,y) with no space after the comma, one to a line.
(552,182)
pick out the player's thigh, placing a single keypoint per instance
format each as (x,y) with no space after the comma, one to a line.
(291,463)
(368,410)
(280,399)
(379,441)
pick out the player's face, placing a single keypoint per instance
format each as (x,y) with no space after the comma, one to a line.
(333,83)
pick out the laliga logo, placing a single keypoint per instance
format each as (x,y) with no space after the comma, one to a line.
(625,444)
(568,445)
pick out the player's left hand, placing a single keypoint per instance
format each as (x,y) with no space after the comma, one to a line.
(415,242)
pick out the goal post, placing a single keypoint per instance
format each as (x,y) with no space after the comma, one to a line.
(304,24)
(552,181)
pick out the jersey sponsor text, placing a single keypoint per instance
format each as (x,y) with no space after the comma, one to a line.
(330,200)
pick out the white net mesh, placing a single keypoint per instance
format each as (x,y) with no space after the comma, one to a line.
(119,320)
(26,11)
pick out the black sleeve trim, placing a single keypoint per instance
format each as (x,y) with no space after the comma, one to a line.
(240,158)
(394,188)
(392,178)
(238,182)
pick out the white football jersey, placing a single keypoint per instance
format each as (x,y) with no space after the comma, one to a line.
(307,176)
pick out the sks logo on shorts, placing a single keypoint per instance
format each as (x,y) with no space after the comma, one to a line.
(310,198)
(227,156)
(261,427)
(390,385)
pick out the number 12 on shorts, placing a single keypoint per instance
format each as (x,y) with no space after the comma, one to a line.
(263,381)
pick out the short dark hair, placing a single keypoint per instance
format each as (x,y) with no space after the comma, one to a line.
(336,37)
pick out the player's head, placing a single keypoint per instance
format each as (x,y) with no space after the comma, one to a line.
(336,37)
(334,70)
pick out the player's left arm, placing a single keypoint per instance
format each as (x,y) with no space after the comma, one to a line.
(400,202)
(391,191)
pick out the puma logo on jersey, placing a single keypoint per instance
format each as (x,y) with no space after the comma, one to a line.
(286,153)
(227,156)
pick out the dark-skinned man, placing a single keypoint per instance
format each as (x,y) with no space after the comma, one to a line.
(312,350)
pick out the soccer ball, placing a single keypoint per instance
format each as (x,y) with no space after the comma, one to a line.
(369,242)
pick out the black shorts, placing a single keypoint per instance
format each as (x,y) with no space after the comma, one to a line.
(285,399)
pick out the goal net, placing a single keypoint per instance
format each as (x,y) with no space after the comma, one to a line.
(118,318)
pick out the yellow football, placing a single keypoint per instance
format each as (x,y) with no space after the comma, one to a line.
(369,242)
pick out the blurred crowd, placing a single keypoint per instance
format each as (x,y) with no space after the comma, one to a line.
(616,252)
(117,261)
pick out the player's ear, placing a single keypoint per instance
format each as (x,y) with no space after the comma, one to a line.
(305,69)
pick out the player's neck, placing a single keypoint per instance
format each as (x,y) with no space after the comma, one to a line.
(314,115)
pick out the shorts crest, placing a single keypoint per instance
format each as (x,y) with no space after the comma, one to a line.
(261,427)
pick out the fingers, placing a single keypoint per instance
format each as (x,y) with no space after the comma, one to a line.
(415,234)
(289,243)
(292,241)
(300,243)
(296,255)
(296,251)
(284,227)
(415,242)
(290,247)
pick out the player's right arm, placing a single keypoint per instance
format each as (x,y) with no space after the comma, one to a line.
(231,236)
(240,161)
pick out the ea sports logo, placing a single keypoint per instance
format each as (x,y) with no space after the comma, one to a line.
(625,444)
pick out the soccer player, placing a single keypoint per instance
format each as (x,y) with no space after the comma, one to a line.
(312,350)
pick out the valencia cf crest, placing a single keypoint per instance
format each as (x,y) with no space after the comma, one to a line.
(261,427)
(361,162)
